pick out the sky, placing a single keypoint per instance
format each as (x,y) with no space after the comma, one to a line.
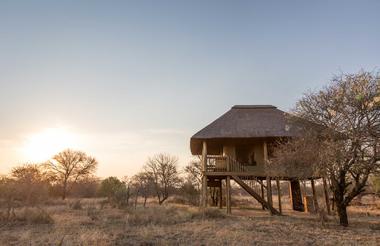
(124,80)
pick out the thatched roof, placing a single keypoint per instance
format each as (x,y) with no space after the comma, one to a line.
(246,122)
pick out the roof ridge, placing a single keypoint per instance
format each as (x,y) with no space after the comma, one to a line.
(253,106)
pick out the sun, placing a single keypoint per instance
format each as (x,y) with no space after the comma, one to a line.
(43,145)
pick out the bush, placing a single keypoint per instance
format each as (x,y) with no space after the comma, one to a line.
(85,188)
(29,216)
(162,215)
(189,193)
(76,205)
(116,191)
(93,213)
(169,215)
(34,216)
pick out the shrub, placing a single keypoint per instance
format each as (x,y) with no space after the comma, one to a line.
(34,216)
(76,205)
(115,190)
(93,213)
(213,213)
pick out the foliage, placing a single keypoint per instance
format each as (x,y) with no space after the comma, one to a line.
(190,193)
(116,191)
(85,188)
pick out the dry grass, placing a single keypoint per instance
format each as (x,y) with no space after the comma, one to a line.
(96,224)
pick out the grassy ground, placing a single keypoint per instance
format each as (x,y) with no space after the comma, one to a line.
(91,223)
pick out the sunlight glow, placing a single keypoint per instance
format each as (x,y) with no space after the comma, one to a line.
(42,146)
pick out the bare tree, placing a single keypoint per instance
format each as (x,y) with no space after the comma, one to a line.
(69,165)
(31,183)
(194,173)
(143,184)
(162,169)
(193,184)
(346,150)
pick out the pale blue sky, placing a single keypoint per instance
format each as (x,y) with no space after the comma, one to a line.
(132,78)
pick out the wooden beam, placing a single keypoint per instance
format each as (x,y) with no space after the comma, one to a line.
(228,194)
(279,195)
(204,177)
(326,193)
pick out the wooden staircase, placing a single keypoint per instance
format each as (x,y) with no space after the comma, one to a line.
(252,192)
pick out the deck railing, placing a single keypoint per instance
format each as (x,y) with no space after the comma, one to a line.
(218,163)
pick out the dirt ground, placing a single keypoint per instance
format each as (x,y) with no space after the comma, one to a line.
(92,223)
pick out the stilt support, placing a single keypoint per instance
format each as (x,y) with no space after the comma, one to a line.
(296,196)
(326,193)
(279,195)
(228,194)
(269,193)
(315,199)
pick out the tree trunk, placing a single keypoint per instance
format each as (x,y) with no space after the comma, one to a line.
(64,190)
(136,198)
(145,198)
(342,213)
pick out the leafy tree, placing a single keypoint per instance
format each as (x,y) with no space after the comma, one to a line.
(68,166)
(116,191)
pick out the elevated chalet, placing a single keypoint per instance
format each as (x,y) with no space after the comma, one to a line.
(238,146)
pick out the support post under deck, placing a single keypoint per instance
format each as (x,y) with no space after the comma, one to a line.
(228,189)
(315,199)
(326,193)
(279,195)
(269,193)
(220,200)
(228,194)
(204,177)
